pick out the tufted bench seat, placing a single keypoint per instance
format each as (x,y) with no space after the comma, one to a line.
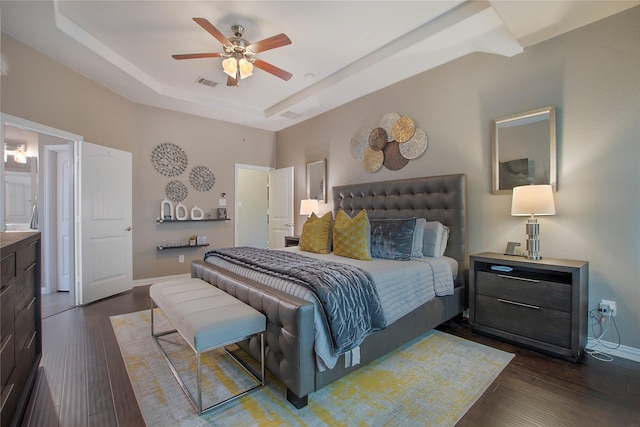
(207,318)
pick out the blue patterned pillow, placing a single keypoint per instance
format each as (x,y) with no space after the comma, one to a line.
(392,238)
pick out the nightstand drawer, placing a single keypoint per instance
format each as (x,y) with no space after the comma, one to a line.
(527,320)
(542,293)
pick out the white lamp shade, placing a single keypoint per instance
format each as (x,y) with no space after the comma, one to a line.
(532,200)
(230,67)
(308,206)
(246,68)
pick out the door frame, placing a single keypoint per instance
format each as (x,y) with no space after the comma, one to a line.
(74,139)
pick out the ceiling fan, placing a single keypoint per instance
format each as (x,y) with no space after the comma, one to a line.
(239,54)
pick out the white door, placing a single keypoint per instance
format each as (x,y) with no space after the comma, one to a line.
(280,206)
(64,215)
(104,225)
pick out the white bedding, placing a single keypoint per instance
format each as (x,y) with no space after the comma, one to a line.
(402,287)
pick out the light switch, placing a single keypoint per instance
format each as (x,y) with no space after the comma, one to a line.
(222,202)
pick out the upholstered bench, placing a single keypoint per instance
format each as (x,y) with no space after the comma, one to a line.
(207,318)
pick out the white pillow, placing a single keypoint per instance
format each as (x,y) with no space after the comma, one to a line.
(435,239)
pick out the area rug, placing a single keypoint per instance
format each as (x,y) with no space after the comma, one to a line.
(430,381)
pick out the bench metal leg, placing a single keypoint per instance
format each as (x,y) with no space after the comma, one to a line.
(196,401)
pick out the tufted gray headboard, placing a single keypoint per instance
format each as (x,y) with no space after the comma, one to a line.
(435,198)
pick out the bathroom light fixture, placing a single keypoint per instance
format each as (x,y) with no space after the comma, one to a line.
(532,200)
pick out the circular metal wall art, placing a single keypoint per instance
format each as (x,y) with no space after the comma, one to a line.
(372,159)
(393,160)
(176,191)
(415,146)
(359,142)
(403,129)
(377,139)
(169,159)
(387,121)
(202,178)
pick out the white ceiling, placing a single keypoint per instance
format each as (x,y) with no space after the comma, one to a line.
(340,51)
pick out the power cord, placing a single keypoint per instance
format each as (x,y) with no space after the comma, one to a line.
(597,319)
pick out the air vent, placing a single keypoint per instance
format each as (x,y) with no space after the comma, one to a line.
(205,82)
(290,115)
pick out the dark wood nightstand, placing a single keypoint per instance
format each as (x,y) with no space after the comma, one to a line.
(291,241)
(538,304)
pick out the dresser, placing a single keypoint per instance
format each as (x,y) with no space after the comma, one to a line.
(21,323)
(539,304)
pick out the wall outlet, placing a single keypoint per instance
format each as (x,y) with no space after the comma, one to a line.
(608,308)
(180,258)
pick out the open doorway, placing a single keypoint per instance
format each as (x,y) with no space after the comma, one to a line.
(45,191)
(263,206)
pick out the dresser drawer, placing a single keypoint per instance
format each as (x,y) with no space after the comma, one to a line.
(25,325)
(7,308)
(537,323)
(8,401)
(26,255)
(8,266)
(542,293)
(7,357)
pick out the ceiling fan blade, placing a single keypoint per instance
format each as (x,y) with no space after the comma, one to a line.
(196,55)
(208,27)
(270,43)
(231,81)
(278,72)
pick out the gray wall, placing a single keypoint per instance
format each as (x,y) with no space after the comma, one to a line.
(43,91)
(592,76)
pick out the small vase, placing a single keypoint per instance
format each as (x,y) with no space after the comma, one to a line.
(181,212)
(166,210)
(197,213)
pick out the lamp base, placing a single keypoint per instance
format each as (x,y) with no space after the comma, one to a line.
(533,243)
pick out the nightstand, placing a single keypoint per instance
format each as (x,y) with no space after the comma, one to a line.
(291,241)
(539,304)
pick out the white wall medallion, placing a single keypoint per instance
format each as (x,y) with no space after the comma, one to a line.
(176,191)
(169,159)
(202,178)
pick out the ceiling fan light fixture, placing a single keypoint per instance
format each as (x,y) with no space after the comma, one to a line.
(246,68)
(230,67)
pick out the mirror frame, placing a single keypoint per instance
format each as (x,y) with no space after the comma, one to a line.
(515,120)
(315,170)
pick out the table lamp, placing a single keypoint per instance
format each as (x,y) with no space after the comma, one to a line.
(532,200)
(308,206)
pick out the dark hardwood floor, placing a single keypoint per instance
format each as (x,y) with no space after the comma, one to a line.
(83,380)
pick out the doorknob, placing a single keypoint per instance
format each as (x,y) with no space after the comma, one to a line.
(129,228)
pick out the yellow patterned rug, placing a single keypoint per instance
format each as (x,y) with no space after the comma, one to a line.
(430,381)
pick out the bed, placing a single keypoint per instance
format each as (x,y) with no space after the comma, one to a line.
(291,320)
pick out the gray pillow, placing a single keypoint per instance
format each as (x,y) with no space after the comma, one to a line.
(392,238)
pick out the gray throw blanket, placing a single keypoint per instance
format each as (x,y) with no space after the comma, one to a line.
(351,304)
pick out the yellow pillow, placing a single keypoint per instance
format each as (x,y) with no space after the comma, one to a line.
(351,236)
(316,234)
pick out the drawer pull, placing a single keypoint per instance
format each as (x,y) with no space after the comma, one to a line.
(6,396)
(521,304)
(5,290)
(6,341)
(33,337)
(519,278)
(30,303)
(30,267)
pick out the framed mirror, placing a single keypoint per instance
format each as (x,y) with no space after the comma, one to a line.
(316,180)
(523,150)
